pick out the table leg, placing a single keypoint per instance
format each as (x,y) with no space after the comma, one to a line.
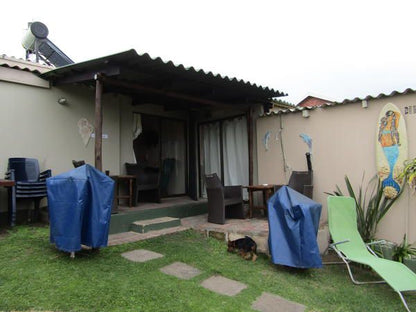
(130,192)
(250,204)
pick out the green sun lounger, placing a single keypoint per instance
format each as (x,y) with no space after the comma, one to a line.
(348,244)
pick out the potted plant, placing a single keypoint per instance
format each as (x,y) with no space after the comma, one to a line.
(406,254)
(383,249)
(409,173)
(371,205)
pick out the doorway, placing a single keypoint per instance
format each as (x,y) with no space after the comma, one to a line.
(223,147)
(161,143)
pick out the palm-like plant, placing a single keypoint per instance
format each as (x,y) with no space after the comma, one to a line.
(371,205)
(409,173)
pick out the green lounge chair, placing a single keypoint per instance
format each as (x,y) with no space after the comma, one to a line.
(348,244)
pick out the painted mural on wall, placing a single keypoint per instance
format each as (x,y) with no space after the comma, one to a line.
(85,129)
(391,148)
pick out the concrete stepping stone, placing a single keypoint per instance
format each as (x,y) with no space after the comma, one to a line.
(273,303)
(223,285)
(181,270)
(141,255)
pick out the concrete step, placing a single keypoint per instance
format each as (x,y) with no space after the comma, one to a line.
(144,226)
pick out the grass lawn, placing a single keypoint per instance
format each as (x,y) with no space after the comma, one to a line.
(36,276)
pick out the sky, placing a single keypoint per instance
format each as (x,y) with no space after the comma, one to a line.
(331,49)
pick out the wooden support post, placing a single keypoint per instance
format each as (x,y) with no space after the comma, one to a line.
(98,123)
(250,145)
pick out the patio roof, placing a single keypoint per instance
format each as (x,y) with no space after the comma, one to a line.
(149,79)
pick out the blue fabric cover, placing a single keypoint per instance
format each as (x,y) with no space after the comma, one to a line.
(293,228)
(80,203)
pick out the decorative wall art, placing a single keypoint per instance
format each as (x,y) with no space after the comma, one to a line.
(266,139)
(85,129)
(308,140)
(391,148)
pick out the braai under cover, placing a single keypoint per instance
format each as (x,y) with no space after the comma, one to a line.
(293,228)
(80,203)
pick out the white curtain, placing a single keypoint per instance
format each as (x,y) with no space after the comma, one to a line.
(210,151)
(137,125)
(136,129)
(235,149)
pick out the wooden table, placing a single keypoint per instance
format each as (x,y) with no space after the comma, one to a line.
(12,200)
(129,179)
(266,189)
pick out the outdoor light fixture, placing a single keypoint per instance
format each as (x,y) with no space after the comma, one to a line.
(62,101)
(364,104)
(305,113)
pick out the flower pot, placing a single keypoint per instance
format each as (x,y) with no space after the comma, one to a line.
(410,263)
(384,249)
(387,250)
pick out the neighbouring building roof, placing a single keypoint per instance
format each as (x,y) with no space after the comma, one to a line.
(346,101)
(154,79)
(311,100)
(11,62)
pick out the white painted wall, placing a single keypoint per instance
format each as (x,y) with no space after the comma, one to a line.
(344,139)
(34,125)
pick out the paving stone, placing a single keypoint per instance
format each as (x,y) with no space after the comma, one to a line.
(181,270)
(141,255)
(223,286)
(273,303)
(130,237)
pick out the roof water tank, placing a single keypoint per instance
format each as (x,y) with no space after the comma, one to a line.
(37,30)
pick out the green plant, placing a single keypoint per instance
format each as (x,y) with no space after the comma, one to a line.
(409,173)
(404,250)
(371,205)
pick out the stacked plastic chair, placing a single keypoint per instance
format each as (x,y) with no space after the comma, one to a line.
(30,184)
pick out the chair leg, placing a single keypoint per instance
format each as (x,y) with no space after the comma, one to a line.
(350,272)
(35,215)
(403,301)
(12,206)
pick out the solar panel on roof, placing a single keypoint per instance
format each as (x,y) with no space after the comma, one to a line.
(36,42)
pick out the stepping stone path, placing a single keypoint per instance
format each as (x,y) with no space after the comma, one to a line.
(272,303)
(223,286)
(141,255)
(181,270)
(265,303)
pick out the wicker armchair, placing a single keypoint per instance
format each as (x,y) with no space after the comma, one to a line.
(223,201)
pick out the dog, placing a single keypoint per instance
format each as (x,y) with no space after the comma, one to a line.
(246,247)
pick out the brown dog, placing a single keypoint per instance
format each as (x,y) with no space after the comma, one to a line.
(246,247)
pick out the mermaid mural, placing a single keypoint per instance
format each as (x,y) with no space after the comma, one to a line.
(389,139)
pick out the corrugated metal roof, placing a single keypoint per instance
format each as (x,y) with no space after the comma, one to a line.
(145,60)
(21,64)
(145,70)
(346,101)
(380,96)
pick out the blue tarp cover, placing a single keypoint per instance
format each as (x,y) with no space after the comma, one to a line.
(80,203)
(293,228)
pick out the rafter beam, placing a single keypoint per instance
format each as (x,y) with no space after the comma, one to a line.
(171,94)
(87,76)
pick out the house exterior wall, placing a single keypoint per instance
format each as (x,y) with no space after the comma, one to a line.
(343,143)
(34,125)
